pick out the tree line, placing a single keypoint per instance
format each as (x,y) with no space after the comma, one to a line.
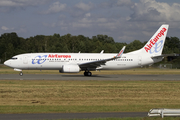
(11,44)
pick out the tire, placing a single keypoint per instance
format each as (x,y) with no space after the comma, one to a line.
(89,73)
(21,74)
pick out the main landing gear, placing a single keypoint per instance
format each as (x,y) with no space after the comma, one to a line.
(21,74)
(87,73)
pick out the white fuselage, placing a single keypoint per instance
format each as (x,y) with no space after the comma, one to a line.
(55,61)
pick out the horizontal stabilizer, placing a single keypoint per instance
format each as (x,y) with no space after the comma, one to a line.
(164,55)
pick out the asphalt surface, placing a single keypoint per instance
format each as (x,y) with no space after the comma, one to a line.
(79,77)
(70,115)
(82,77)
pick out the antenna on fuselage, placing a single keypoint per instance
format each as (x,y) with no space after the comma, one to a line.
(102,52)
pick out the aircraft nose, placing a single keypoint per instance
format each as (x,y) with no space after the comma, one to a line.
(7,63)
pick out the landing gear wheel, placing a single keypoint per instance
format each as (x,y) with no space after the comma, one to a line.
(21,74)
(87,73)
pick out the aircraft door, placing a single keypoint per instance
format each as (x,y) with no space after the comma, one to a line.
(139,60)
(25,59)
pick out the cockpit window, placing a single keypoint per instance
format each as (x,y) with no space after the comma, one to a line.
(14,58)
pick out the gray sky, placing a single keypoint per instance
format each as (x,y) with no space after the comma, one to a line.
(124,20)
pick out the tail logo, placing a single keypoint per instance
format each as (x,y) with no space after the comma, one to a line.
(158,47)
(154,41)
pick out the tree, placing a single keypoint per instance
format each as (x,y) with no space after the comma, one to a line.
(135,45)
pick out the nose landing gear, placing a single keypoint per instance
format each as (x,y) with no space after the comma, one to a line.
(21,74)
(20,70)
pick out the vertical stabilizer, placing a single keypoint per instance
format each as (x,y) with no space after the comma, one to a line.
(155,45)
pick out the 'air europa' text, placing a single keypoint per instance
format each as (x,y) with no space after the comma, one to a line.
(153,41)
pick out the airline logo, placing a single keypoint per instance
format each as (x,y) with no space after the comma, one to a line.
(59,56)
(41,59)
(157,47)
(154,41)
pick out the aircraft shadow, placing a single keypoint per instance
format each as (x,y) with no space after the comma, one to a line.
(93,76)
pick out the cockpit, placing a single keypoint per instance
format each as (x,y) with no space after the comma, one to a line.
(14,58)
(12,62)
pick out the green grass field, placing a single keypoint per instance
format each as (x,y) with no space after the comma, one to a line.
(45,96)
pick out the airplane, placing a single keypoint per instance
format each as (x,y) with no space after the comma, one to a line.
(76,62)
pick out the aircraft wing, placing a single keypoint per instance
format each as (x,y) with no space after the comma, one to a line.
(95,64)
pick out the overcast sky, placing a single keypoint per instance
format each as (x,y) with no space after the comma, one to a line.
(124,20)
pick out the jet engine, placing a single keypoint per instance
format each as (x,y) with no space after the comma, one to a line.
(70,69)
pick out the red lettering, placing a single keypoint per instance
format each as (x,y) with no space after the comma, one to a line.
(164,29)
(156,39)
(150,46)
(162,32)
(153,42)
(59,56)
(147,49)
(49,56)
(159,35)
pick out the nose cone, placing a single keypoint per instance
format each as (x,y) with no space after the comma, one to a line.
(7,63)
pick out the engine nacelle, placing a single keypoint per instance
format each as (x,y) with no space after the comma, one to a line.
(70,69)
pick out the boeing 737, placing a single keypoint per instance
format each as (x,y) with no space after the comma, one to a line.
(76,62)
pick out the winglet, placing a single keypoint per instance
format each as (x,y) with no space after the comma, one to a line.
(120,52)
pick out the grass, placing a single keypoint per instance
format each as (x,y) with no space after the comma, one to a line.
(48,96)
